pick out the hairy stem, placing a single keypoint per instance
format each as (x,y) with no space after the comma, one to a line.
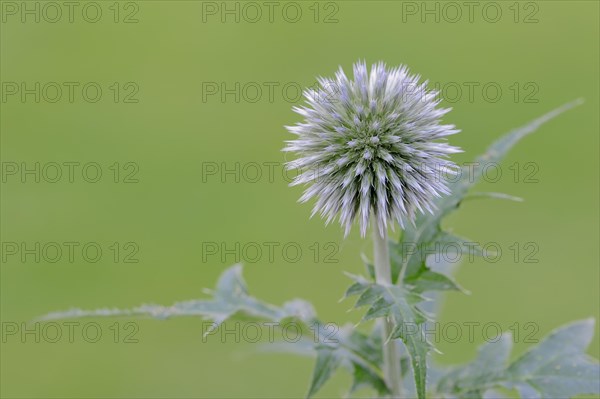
(383,276)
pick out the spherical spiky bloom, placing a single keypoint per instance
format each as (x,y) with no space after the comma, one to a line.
(371,145)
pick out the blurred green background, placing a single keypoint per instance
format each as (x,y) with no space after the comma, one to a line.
(546,52)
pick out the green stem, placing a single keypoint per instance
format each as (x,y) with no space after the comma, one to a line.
(383,276)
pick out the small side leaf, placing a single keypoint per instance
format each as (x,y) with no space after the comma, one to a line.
(364,377)
(328,361)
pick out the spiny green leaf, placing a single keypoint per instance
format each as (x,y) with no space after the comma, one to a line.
(408,321)
(358,352)
(558,367)
(230,299)
(355,289)
(476,377)
(364,377)
(427,280)
(328,360)
(399,306)
(381,308)
(361,354)
(427,229)
(494,154)
(446,247)
(368,266)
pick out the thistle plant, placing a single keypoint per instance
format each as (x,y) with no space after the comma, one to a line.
(370,150)
(372,147)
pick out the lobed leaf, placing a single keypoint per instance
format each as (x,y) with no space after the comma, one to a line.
(399,306)
(427,231)
(229,299)
(359,353)
(558,367)
(328,360)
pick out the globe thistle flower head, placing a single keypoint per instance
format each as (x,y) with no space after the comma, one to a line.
(371,146)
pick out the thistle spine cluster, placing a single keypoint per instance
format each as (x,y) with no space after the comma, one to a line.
(370,146)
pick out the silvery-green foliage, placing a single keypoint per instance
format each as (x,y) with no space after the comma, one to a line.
(399,305)
(556,368)
(358,352)
(427,232)
(371,144)
(427,235)
(230,300)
